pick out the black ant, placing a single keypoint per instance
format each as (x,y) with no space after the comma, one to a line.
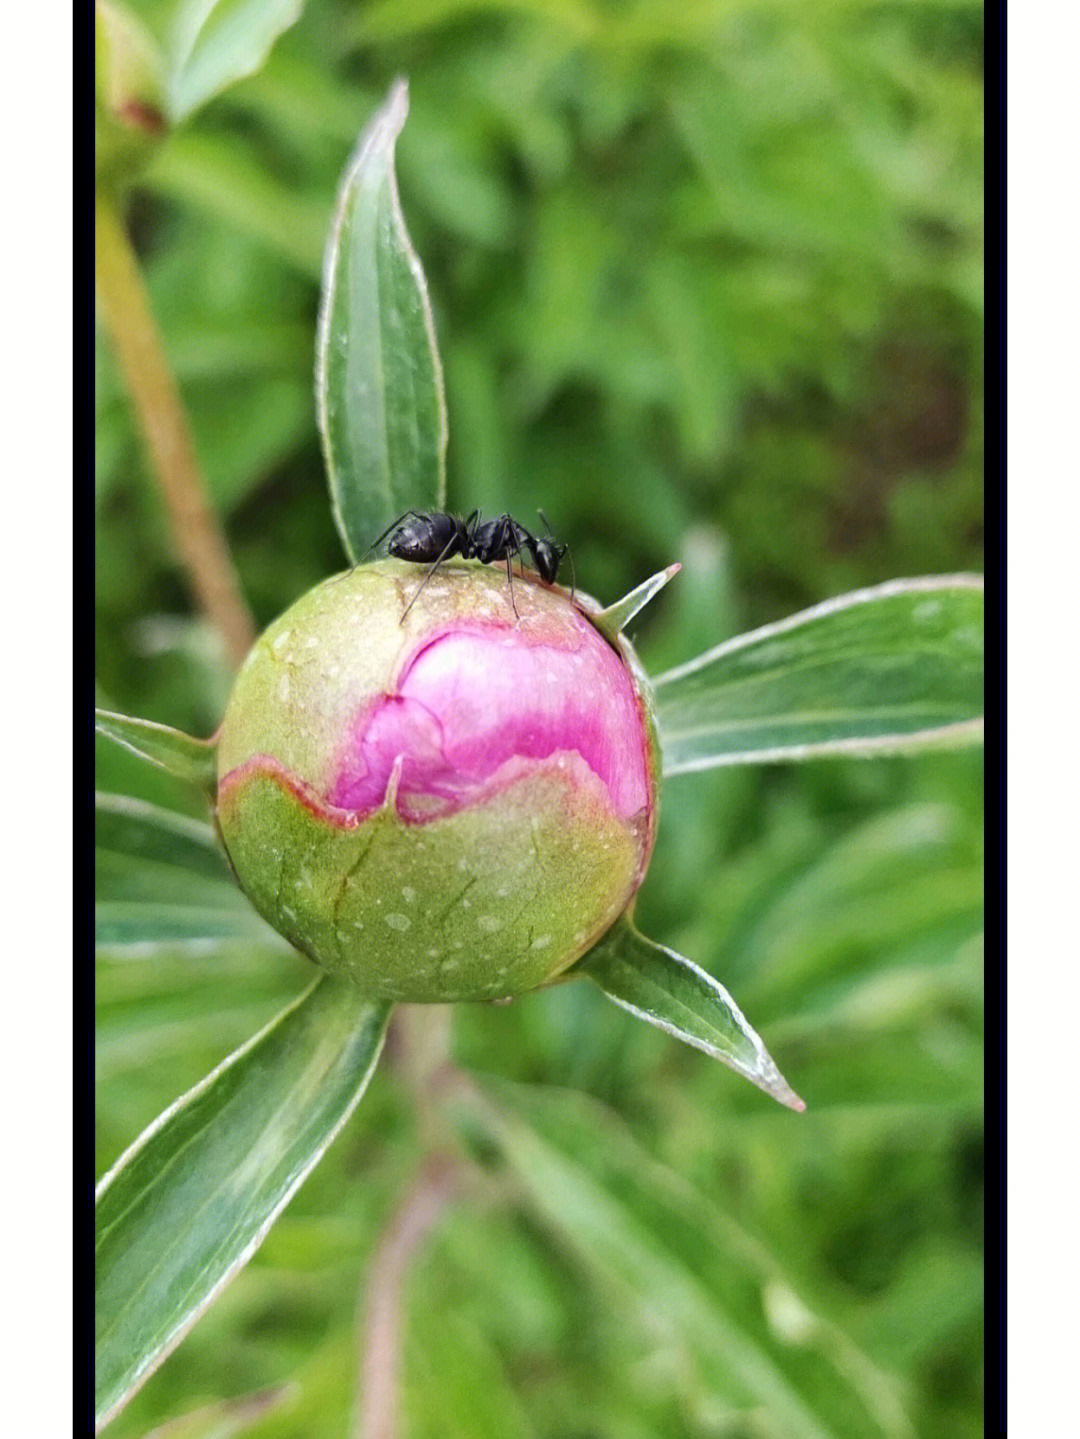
(430,536)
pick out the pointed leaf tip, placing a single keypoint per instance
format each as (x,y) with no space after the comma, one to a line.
(184,756)
(616,617)
(661,987)
(397,104)
(378,377)
(214,43)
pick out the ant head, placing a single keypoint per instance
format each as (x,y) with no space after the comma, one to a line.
(548,556)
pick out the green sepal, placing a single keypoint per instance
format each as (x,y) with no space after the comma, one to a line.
(184,756)
(469,913)
(661,987)
(614,619)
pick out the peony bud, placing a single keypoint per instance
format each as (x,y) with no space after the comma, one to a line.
(454,806)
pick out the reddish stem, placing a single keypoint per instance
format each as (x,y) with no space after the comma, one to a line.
(160,414)
(380,1342)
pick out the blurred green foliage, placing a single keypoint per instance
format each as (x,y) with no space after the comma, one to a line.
(707,283)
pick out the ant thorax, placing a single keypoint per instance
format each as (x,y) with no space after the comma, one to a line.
(432,536)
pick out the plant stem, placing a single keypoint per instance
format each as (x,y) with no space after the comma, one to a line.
(423,1059)
(419,1043)
(380,1341)
(160,414)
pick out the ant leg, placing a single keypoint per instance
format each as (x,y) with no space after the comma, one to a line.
(376,542)
(446,550)
(510,547)
(573,575)
(513,543)
(517,550)
(510,582)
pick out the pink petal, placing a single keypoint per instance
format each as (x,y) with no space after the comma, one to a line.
(475,700)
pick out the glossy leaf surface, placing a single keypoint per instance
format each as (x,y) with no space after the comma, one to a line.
(879,671)
(663,988)
(213,43)
(378,381)
(189,1203)
(181,754)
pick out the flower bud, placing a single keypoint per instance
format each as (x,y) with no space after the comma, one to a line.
(129,118)
(449,804)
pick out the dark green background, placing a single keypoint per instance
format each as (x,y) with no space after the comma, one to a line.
(707,283)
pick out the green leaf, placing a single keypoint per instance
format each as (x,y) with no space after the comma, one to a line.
(378,380)
(453,1369)
(137,830)
(386,21)
(682,1269)
(141,928)
(216,42)
(162,881)
(189,1203)
(170,749)
(225,1418)
(145,1043)
(616,617)
(664,989)
(230,182)
(878,671)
